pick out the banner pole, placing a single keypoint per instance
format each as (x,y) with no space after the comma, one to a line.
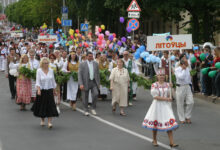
(170,74)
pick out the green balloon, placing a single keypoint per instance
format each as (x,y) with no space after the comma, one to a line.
(202,56)
(205,70)
(217,65)
(70,42)
(193,60)
(212,74)
(64,36)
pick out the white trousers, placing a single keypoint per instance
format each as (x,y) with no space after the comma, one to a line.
(184,95)
(134,87)
(2,63)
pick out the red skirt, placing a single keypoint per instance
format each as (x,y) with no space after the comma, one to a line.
(23,87)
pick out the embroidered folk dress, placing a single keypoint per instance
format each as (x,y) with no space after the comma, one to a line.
(23,85)
(160,115)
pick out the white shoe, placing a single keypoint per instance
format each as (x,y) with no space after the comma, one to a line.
(130,104)
(42,123)
(58,109)
(86,113)
(93,112)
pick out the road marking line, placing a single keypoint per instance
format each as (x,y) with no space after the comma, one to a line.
(121,128)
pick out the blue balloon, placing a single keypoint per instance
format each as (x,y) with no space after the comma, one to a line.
(147,59)
(136,55)
(153,59)
(60,30)
(157,60)
(142,48)
(144,54)
(172,58)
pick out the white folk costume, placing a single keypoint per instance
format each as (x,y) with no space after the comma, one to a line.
(112,64)
(34,64)
(120,78)
(23,85)
(72,86)
(160,115)
(3,59)
(132,67)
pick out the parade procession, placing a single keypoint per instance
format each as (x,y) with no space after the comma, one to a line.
(105,75)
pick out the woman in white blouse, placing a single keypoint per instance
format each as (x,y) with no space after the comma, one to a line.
(23,84)
(44,106)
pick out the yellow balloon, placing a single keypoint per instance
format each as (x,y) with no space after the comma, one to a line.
(76,34)
(75,41)
(77,45)
(103,27)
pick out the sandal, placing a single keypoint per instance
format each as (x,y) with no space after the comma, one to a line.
(174,145)
(155,144)
(122,114)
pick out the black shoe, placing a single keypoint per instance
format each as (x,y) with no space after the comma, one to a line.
(12,97)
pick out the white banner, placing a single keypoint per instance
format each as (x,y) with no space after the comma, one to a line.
(16,34)
(47,38)
(170,42)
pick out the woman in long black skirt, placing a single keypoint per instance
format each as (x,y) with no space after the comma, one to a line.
(44,106)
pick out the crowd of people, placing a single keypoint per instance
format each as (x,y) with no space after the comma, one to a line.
(88,59)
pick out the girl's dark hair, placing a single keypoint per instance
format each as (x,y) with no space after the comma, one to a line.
(76,58)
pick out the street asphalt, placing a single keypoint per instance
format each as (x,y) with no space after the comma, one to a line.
(20,130)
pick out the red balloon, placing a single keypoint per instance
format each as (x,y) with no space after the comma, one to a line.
(99,42)
(100,49)
(80,45)
(71,37)
(100,37)
(77,30)
(90,33)
(86,45)
(42,34)
(114,35)
(100,29)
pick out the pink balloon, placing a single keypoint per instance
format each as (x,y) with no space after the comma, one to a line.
(97,33)
(111,45)
(107,33)
(103,45)
(103,42)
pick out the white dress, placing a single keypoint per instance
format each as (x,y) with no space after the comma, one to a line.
(72,86)
(160,115)
(34,64)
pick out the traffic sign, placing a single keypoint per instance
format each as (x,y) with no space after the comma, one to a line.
(64,10)
(133,24)
(84,27)
(66,23)
(134,6)
(133,14)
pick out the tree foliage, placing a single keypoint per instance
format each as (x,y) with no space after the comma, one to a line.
(204,20)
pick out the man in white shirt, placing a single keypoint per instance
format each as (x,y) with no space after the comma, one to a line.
(184,92)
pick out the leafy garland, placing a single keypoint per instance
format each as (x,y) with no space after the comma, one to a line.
(62,77)
(28,73)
